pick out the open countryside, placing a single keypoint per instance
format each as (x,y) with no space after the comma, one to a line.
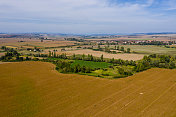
(87,58)
(80,78)
(36,89)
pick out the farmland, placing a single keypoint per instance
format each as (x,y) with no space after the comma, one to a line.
(48,45)
(87,58)
(83,78)
(36,89)
(124,56)
(151,49)
(70,47)
(31,43)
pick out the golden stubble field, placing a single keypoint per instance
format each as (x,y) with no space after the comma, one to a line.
(31,43)
(124,56)
(35,89)
(72,51)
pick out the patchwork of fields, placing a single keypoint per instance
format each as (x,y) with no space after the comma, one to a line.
(36,89)
(151,49)
(137,51)
(31,43)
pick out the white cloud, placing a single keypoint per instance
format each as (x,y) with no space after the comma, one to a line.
(78,16)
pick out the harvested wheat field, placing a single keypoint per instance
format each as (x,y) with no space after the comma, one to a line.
(31,43)
(124,56)
(35,89)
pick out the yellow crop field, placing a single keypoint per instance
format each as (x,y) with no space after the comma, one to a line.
(31,43)
(124,56)
(35,89)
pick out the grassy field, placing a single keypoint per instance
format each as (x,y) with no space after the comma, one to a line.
(111,73)
(35,89)
(91,64)
(151,49)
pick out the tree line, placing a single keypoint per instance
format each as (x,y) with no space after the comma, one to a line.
(159,61)
(12,55)
(108,49)
(64,62)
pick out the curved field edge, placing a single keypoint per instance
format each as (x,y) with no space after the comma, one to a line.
(37,89)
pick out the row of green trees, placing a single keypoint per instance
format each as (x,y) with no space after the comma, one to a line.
(65,66)
(123,72)
(128,50)
(156,43)
(152,61)
(90,57)
(5,48)
(12,56)
(158,61)
(108,49)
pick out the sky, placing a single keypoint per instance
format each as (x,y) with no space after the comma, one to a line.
(87,16)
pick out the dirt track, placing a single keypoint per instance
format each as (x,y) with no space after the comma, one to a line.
(36,89)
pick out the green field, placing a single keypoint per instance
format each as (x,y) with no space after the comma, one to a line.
(110,73)
(92,64)
(151,49)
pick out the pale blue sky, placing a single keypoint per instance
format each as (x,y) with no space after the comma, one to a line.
(88,16)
